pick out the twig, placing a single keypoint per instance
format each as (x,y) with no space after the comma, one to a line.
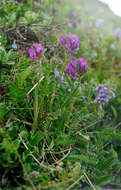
(118,125)
(89,181)
(39,163)
(72,185)
(35,85)
(17,31)
(91,125)
(57,162)
(35,25)
(49,26)
(59,152)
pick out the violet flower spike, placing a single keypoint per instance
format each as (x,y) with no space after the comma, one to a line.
(70,43)
(76,67)
(39,48)
(53,10)
(74,24)
(104,94)
(32,53)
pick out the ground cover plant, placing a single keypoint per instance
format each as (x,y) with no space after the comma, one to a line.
(60,98)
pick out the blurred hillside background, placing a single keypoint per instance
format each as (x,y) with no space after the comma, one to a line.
(90,11)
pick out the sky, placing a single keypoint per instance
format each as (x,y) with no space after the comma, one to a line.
(115,6)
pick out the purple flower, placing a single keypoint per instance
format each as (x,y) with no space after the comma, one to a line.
(56,74)
(106,85)
(39,48)
(71,68)
(23,49)
(70,43)
(62,40)
(32,53)
(35,51)
(75,20)
(117,32)
(113,95)
(53,10)
(75,42)
(79,20)
(100,87)
(62,79)
(72,15)
(82,64)
(74,24)
(104,94)
(76,67)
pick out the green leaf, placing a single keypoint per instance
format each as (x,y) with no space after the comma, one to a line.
(26,154)
(51,145)
(22,20)
(12,131)
(2,110)
(30,16)
(37,138)
(2,54)
(103,180)
(17,93)
(16,143)
(107,164)
(21,77)
(114,111)
(7,146)
(24,134)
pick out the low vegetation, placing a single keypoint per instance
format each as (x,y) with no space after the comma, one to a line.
(60,98)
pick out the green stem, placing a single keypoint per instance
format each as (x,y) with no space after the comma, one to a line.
(58,81)
(36,109)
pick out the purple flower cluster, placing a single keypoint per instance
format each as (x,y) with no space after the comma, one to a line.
(76,67)
(104,94)
(35,51)
(74,20)
(70,43)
